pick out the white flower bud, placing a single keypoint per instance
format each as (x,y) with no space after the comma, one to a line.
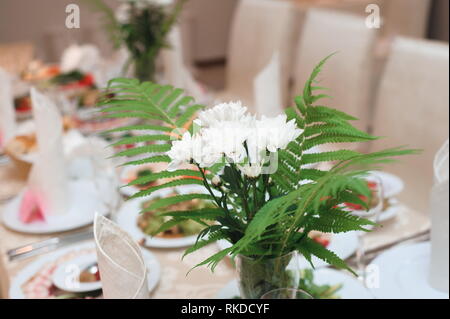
(216,180)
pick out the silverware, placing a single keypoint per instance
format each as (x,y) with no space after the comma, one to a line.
(373,253)
(47,245)
(90,273)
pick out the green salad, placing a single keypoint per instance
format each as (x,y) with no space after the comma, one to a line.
(150,221)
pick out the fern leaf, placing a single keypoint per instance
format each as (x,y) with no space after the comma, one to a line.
(165,174)
(154,148)
(340,155)
(149,160)
(309,246)
(172,200)
(141,139)
(171,184)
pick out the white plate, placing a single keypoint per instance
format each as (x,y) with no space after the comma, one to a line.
(84,202)
(127,219)
(16,292)
(344,245)
(404,273)
(351,289)
(392,184)
(64,280)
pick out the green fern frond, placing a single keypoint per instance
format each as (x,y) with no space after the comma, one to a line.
(212,238)
(165,174)
(148,160)
(172,200)
(141,139)
(310,247)
(204,213)
(153,148)
(171,184)
(337,221)
(340,155)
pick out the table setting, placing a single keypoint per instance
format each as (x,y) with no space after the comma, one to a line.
(119,180)
(133,249)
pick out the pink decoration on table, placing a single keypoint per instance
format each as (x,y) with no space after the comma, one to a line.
(31,208)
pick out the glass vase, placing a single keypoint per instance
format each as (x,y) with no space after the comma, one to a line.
(145,68)
(257,277)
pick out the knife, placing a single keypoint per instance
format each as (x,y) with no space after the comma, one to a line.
(47,245)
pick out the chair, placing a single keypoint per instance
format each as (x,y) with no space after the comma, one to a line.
(260,28)
(412,109)
(407,18)
(348,74)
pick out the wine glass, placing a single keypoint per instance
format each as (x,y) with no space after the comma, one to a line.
(287,293)
(105,180)
(375,208)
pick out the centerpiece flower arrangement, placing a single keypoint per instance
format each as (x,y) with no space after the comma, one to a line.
(142,27)
(261,174)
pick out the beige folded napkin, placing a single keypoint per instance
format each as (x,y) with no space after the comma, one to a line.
(7,112)
(439,270)
(122,269)
(84,58)
(47,191)
(267,89)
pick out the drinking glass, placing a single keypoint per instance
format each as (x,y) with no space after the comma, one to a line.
(287,293)
(373,215)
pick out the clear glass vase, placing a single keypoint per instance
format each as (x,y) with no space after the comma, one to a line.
(259,276)
(145,68)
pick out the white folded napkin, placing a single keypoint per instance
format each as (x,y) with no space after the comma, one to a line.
(7,112)
(92,160)
(439,205)
(122,268)
(47,191)
(174,68)
(110,68)
(84,58)
(175,71)
(267,89)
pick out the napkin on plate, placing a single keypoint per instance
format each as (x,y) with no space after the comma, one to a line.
(122,268)
(84,58)
(267,91)
(439,270)
(7,113)
(47,191)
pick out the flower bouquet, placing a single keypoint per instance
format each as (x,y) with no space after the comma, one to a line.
(261,174)
(142,26)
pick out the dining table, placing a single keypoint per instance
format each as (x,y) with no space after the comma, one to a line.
(175,282)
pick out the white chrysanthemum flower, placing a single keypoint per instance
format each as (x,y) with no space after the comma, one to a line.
(251,170)
(181,151)
(232,112)
(227,138)
(275,133)
(230,133)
